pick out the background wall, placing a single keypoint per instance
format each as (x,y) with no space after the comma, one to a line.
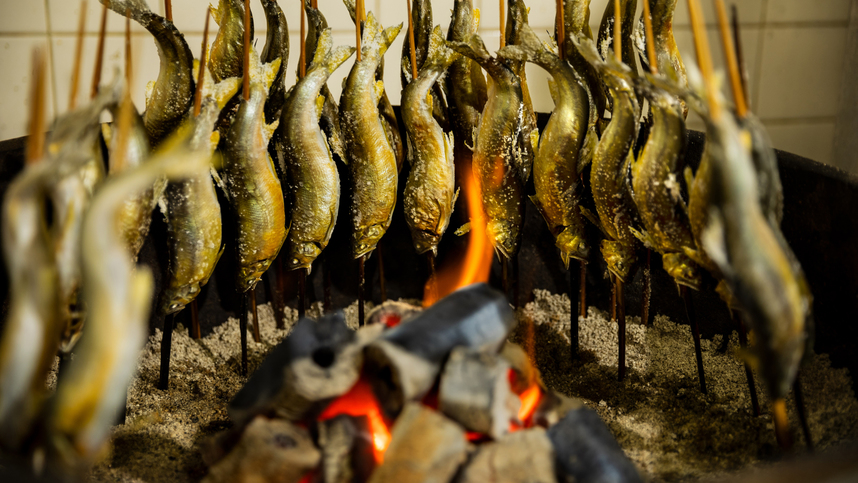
(795,52)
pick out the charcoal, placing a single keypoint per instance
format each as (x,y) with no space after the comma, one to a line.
(397,376)
(425,447)
(526,374)
(553,407)
(586,451)
(316,363)
(520,457)
(392,313)
(475,392)
(346,447)
(269,450)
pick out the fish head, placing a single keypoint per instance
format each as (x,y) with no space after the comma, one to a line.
(683,270)
(302,254)
(177,299)
(505,236)
(620,257)
(366,238)
(425,240)
(249,275)
(572,245)
(72,330)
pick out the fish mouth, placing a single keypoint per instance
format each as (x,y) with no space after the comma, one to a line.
(180,298)
(572,247)
(302,255)
(683,270)
(366,240)
(619,258)
(425,241)
(504,238)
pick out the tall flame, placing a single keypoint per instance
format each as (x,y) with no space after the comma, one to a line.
(361,401)
(477,262)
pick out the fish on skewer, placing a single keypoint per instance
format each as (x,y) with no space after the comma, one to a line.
(226,56)
(464,85)
(119,297)
(497,148)
(191,208)
(576,22)
(607,37)
(171,95)
(528,138)
(668,61)
(430,192)
(421,17)
(276,47)
(609,175)
(312,173)
(558,164)
(370,156)
(385,108)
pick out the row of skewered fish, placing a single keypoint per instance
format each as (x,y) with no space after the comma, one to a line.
(273,149)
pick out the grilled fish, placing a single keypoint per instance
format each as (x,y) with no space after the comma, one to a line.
(421,17)
(464,84)
(668,59)
(430,191)
(276,47)
(609,177)
(371,157)
(759,271)
(605,39)
(528,139)
(330,119)
(312,174)
(170,97)
(497,148)
(118,296)
(385,108)
(227,50)
(251,182)
(191,208)
(558,164)
(576,15)
(656,189)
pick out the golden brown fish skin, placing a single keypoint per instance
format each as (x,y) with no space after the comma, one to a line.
(656,188)
(605,39)
(556,174)
(430,191)
(666,52)
(371,157)
(173,92)
(576,15)
(421,14)
(119,297)
(251,181)
(494,161)
(330,119)
(227,51)
(609,179)
(528,140)
(276,47)
(464,85)
(312,173)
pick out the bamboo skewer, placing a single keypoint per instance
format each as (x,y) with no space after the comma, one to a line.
(411,42)
(198,95)
(99,54)
(36,141)
(653,67)
(381,282)
(502,24)
(618,33)
(650,39)
(358,9)
(302,53)
(740,57)
(561,29)
(78,55)
(302,293)
(168,10)
(619,308)
(732,63)
(246,65)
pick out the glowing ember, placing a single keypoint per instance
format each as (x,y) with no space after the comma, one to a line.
(475,266)
(390,320)
(360,401)
(529,400)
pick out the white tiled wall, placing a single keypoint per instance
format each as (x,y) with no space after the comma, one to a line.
(794,51)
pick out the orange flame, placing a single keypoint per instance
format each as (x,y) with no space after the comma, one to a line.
(477,262)
(530,399)
(361,401)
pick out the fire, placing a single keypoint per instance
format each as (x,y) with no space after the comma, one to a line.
(477,262)
(529,400)
(360,401)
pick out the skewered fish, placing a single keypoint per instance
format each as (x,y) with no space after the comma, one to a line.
(330,118)
(668,59)
(118,297)
(605,40)
(465,84)
(421,18)
(251,182)
(528,139)
(497,149)
(558,163)
(276,47)
(192,210)
(430,192)
(576,15)
(312,173)
(171,95)
(371,157)
(609,178)
(226,57)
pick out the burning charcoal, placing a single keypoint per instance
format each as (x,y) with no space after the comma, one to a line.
(586,451)
(346,449)
(392,313)
(521,457)
(269,450)
(316,363)
(425,446)
(475,392)
(398,376)
(553,407)
(526,374)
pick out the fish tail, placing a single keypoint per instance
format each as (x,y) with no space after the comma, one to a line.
(137,9)
(474,48)
(440,54)
(326,56)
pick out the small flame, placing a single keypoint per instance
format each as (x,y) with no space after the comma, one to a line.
(529,400)
(360,401)
(477,262)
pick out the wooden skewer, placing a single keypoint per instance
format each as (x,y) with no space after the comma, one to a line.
(573,320)
(502,24)
(246,78)
(99,54)
(647,289)
(195,320)
(166,346)
(582,289)
(381,282)
(561,28)
(302,293)
(302,54)
(411,42)
(358,8)
(361,289)
(129,74)
(253,311)
(36,141)
(315,4)
(201,76)
(168,10)
(732,63)
(618,31)
(695,333)
(242,329)
(704,57)
(78,55)
(621,328)
(650,38)
(749,375)
(740,57)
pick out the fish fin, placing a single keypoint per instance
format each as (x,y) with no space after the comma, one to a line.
(474,48)
(474,134)
(585,156)
(350,6)
(215,13)
(513,52)
(320,106)
(219,182)
(269,72)
(476,19)
(378,92)
(440,54)
(268,130)
(463,230)
(456,197)
(593,218)
(214,140)
(327,57)
(644,237)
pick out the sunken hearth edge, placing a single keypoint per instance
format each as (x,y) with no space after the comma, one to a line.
(461,401)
